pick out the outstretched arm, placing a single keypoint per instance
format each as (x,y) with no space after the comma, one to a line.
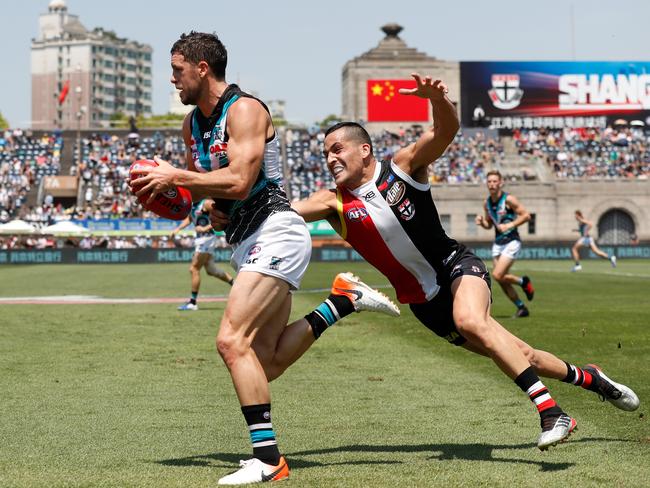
(415,158)
(320,205)
(186,221)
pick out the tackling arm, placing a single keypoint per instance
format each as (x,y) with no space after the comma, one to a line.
(320,205)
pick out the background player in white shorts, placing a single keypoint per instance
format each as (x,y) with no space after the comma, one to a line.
(585,240)
(204,242)
(505,212)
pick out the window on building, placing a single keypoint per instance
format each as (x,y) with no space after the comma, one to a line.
(532,223)
(616,226)
(472,228)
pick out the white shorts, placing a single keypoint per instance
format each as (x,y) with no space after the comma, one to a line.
(509,250)
(205,244)
(281,247)
(585,241)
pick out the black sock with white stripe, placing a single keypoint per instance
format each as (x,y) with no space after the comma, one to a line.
(265,447)
(333,309)
(580,377)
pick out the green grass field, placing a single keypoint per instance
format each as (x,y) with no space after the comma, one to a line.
(135,395)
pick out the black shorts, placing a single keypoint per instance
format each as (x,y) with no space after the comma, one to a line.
(437,313)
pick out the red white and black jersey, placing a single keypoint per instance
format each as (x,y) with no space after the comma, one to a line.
(394,224)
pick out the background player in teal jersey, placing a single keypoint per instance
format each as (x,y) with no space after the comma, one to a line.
(205,241)
(505,212)
(585,240)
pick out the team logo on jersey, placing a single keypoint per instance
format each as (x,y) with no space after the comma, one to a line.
(207,135)
(395,193)
(254,250)
(275,262)
(356,214)
(369,196)
(219,148)
(505,93)
(406,209)
(171,193)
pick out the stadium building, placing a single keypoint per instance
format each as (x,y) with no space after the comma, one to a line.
(81,78)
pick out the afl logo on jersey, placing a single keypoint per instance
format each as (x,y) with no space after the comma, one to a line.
(395,193)
(356,214)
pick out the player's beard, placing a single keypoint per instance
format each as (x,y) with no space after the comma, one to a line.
(189,97)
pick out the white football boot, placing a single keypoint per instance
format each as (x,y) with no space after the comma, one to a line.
(255,471)
(362,296)
(554,430)
(615,393)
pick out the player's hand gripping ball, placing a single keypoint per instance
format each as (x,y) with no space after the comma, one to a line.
(174,204)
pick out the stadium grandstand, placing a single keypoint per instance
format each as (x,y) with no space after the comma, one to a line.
(536,156)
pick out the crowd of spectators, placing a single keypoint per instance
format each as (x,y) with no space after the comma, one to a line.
(574,153)
(104,166)
(24,160)
(618,152)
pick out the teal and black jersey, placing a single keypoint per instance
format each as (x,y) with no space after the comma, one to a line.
(209,145)
(583,229)
(200,219)
(501,213)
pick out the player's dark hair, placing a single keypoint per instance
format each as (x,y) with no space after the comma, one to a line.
(494,172)
(578,213)
(201,46)
(353,131)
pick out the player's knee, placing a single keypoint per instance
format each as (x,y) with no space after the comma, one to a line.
(273,370)
(229,347)
(529,352)
(474,327)
(499,276)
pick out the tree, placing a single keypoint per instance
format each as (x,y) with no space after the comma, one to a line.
(331,119)
(4,123)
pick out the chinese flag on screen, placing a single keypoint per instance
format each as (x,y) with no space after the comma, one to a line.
(386,104)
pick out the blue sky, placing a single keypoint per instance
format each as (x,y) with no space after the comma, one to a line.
(294,50)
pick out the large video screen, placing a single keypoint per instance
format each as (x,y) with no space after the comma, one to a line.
(554,94)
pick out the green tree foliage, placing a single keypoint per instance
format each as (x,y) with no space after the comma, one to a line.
(4,123)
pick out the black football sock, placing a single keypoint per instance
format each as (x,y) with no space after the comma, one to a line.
(265,447)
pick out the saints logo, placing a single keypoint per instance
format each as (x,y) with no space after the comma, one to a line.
(505,93)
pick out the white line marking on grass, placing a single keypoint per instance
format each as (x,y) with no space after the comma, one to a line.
(97,300)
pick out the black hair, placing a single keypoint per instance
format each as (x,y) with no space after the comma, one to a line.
(352,131)
(201,46)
